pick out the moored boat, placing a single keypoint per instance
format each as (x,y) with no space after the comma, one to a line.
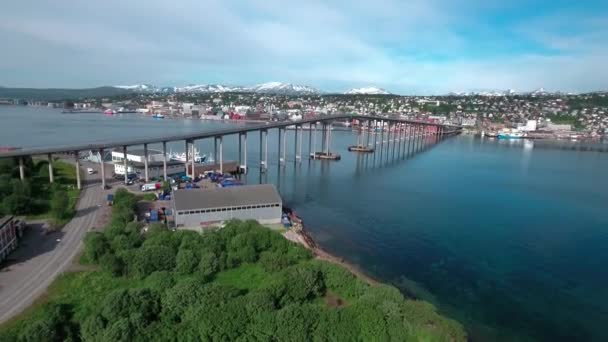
(511,135)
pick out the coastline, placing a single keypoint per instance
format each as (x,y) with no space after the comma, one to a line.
(300,236)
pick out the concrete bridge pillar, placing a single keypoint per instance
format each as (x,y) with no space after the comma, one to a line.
(215,158)
(328,145)
(245,151)
(78,183)
(409,137)
(21,169)
(301,140)
(310,138)
(51,176)
(221,152)
(102,170)
(240,149)
(261,150)
(280,146)
(146,163)
(399,137)
(124,163)
(187,154)
(381,135)
(295,145)
(284,146)
(265,149)
(314,142)
(165,160)
(193,159)
(323,136)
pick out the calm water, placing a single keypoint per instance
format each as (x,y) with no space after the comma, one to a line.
(509,239)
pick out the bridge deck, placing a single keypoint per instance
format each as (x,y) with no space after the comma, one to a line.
(22,152)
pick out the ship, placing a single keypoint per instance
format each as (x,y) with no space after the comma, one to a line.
(510,135)
(182,157)
(158,116)
(109,112)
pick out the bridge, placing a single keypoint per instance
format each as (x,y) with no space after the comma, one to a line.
(410,132)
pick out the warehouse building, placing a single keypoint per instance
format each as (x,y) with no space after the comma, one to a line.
(202,208)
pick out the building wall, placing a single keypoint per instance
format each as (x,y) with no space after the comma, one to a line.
(152,156)
(266,215)
(153,171)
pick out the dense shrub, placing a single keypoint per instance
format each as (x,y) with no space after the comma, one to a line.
(240,283)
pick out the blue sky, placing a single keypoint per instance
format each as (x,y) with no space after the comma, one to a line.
(407,47)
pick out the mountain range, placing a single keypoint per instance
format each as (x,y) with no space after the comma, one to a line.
(279,88)
(264,88)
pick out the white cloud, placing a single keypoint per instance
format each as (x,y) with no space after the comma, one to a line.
(404,46)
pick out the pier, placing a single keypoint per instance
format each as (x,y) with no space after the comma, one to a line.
(401,135)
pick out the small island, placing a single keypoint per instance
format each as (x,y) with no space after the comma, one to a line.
(243,282)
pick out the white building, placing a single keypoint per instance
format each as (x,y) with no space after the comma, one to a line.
(135,164)
(530,126)
(195,209)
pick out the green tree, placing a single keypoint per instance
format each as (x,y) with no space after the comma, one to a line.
(95,246)
(59,204)
(153,258)
(113,264)
(209,264)
(186,261)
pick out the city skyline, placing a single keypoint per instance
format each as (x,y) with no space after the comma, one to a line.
(422,47)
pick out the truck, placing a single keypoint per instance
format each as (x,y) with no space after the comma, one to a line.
(150,186)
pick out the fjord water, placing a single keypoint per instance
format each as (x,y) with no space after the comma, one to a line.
(508,238)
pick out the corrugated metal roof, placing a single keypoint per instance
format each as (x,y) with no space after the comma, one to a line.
(226,197)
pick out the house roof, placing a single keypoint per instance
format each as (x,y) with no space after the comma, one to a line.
(192,199)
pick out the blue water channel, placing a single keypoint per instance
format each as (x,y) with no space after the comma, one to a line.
(506,237)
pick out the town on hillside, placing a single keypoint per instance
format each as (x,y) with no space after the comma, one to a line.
(538,114)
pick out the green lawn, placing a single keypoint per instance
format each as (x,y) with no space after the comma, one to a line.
(246,277)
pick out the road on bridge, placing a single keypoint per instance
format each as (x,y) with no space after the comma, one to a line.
(41,258)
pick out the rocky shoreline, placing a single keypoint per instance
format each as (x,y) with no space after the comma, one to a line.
(300,236)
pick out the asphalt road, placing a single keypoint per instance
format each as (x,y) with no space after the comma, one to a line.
(24,280)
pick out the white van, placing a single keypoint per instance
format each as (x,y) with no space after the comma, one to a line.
(90,171)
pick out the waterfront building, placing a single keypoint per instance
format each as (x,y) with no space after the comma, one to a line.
(196,209)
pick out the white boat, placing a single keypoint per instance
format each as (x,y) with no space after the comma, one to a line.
(158,116)
(182,157)
(510,135)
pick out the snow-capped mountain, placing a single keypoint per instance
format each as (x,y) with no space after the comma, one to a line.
(206,88)
(367,91)
(282,88)
(265,88)
(508,92)
(138,87)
